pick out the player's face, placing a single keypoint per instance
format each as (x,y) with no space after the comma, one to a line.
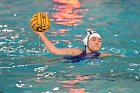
(94,44)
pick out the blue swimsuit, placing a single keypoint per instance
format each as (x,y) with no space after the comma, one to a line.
(83,56)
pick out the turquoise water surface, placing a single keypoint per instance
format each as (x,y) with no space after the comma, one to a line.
(25,65)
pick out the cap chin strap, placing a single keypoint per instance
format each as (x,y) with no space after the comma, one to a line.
(88,41)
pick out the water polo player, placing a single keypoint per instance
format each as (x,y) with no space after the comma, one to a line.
(92,43)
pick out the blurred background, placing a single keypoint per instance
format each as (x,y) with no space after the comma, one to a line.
(23,55)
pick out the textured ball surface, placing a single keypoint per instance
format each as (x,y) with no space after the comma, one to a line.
(40,22)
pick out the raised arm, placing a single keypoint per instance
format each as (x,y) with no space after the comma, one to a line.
(54,50)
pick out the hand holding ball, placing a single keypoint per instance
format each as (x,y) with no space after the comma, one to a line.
(40,22)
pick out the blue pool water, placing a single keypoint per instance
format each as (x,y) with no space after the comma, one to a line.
(25,65)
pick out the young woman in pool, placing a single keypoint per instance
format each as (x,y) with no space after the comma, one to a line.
(92,43)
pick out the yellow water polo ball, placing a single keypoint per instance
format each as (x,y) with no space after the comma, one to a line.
(40,22)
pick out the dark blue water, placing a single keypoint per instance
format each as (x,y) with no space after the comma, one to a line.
(25,65)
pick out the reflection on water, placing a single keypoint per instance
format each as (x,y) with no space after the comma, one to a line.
(67,12)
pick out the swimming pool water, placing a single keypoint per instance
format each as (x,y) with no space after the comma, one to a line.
(24,66)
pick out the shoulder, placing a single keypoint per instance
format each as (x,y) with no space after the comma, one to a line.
(70,51)
(76,51)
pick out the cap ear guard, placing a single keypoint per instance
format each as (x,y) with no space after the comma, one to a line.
(85,40)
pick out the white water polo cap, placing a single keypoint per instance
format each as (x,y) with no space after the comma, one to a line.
(89,35)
